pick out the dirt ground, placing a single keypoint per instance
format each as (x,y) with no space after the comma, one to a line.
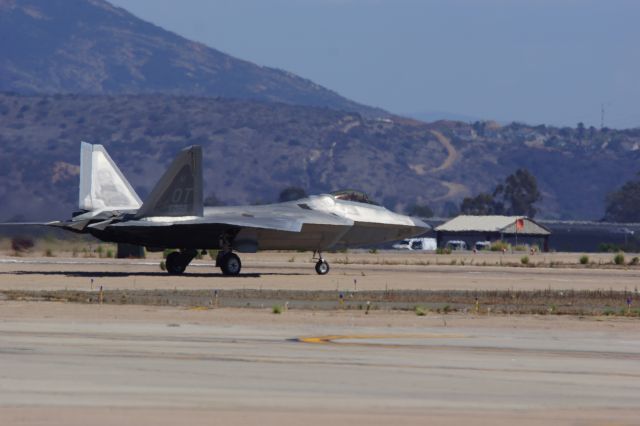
(294,271)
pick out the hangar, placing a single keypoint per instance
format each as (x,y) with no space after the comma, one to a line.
(512,229)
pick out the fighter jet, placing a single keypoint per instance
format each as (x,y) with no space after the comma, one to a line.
(173,216)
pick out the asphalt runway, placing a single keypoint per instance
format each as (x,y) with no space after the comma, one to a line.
(77,364)
(271,271)
(68,364)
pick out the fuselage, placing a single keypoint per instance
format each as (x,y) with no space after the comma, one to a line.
(329,223)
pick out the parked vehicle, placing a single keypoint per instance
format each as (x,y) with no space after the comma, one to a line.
(456,245)
(416,244)
(482,245)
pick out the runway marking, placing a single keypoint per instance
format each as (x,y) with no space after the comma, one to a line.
(334,338)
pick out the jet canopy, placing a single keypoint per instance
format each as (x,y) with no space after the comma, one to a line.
(353,195)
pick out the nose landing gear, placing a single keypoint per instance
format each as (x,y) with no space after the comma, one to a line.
(322,266)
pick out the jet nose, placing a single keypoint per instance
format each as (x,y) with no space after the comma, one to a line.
(420,225)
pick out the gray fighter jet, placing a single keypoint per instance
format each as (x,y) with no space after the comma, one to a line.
(173,216)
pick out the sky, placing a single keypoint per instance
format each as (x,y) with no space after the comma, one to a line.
(555,62)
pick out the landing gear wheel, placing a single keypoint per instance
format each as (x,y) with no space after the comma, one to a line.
(322,267)
(176,263)
(230,264)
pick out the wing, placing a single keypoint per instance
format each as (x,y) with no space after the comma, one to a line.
(255,217)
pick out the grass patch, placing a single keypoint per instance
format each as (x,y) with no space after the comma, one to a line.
(420,311)
(499,246)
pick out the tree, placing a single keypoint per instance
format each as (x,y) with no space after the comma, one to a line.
(623,205)
(292,193)
(519,193)
(450,209)
(420,210)
(581,131)
(481,204)
(515,197)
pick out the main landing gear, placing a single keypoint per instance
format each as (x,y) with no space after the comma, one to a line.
(178,261)
(229,263)
(322,266)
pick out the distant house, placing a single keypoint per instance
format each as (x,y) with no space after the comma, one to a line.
(512,229)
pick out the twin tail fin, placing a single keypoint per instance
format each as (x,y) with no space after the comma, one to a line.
(104,187)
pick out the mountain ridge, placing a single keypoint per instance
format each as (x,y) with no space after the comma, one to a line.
(254,149)
(93,47)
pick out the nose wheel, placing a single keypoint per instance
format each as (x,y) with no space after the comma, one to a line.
(322,266)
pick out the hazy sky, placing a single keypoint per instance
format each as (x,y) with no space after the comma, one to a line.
(552,62)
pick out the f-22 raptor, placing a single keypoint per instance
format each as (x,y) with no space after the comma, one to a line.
(173,216)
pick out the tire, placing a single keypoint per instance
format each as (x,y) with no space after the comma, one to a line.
(322,267)
(231,264)
(175,263)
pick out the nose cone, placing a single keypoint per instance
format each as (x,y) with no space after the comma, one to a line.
(420,226)
(414,228)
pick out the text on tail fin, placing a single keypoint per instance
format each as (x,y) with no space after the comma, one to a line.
(179,190)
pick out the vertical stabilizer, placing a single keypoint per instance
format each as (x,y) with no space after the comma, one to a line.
(179,190)
(102,184)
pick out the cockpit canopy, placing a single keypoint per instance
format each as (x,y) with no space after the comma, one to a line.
(353,195)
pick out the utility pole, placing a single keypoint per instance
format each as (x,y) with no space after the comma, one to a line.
(601,116)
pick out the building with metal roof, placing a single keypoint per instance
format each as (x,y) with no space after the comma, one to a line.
(513,229)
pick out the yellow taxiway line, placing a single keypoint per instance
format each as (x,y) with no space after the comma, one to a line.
(336,338)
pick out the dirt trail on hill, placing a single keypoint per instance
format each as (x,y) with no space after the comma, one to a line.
(454,189)
(452,154)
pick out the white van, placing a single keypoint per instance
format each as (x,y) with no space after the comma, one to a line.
(416,244)
(482,245)
(456,245)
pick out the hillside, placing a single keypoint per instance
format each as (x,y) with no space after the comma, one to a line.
(252,150)
(92,47)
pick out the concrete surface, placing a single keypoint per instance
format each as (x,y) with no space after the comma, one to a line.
(73,364)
